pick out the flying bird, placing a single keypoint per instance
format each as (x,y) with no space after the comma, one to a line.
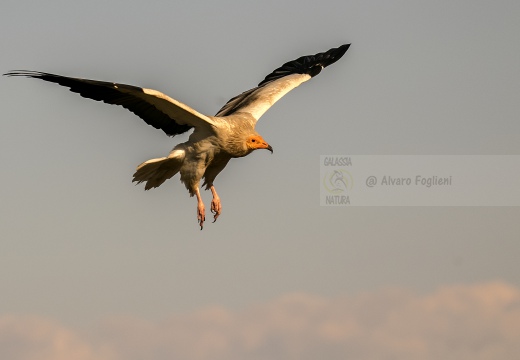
(215,139)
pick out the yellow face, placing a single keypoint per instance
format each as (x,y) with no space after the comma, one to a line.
(256,142)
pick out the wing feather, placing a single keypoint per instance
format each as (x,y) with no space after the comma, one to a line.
(258,100)
(155,108)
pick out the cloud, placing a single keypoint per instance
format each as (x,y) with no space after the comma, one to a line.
(37,338)
(461,322)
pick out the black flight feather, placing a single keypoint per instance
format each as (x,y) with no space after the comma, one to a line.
(112,93)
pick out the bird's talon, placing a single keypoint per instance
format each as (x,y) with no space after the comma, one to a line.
(216,208)
(201,217)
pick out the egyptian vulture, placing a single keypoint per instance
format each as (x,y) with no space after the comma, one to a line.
(215,139)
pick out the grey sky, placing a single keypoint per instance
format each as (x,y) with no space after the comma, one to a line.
(80,242)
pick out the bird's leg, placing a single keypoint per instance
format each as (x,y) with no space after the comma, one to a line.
(200,209)
(216,206)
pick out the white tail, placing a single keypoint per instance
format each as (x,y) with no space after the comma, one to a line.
(156,171)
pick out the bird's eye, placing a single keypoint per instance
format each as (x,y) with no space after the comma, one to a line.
(253,140)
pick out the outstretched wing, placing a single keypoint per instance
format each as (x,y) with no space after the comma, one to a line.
(157,109)
(278,83)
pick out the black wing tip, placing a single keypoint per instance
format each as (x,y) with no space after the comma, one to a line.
(331,56)
(308,64)
(340,51)
(27,73)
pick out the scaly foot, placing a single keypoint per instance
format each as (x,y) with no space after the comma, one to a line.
(216,206)
(201,216)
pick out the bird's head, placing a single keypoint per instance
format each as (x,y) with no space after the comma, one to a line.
(255,142)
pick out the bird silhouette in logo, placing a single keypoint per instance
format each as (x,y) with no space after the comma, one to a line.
(338,182)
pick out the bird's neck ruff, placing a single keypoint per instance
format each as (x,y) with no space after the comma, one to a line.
(232,131)
(236,145)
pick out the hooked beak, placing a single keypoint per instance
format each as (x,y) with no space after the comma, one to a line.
(270,148)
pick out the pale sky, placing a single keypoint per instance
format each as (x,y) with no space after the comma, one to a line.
(94,263)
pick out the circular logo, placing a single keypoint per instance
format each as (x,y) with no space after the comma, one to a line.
(338,181)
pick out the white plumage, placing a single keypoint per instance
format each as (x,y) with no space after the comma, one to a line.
(215,139)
